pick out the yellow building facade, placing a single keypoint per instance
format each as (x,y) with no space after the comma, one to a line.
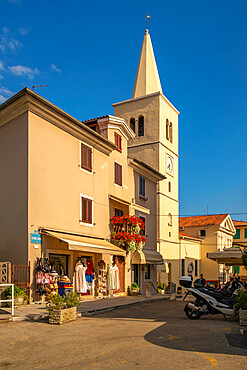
(240,240)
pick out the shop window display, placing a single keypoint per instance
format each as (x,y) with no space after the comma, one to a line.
(48,280)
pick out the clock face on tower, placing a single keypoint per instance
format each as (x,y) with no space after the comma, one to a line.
(169,164)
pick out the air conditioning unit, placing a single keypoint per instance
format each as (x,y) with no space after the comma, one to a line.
(181,228)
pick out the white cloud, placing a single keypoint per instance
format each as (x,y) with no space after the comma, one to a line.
(14,44)
(4,94)
(5,91)
(23,31)
(2,99)
(1,66)
(23,71)
(8,43)
(5,30)
(54,68)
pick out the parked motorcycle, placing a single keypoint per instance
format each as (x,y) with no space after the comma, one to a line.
(209,300)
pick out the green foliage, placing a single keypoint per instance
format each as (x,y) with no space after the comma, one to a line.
(57,302)
(244,258)
(18,292)
(161,286)
(241,300)
(72,299)
(135,286)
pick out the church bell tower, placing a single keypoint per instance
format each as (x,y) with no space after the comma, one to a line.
(154,120)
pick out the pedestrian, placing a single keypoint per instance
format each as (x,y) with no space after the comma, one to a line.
(202,280)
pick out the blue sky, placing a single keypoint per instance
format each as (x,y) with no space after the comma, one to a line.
(88,54)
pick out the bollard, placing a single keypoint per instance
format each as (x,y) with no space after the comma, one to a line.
(172,291)
(148,290)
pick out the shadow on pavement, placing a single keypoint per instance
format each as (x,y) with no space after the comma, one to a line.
(210,334)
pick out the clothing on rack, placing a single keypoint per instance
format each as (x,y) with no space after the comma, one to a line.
(90,271)
(80,278)
(113,278)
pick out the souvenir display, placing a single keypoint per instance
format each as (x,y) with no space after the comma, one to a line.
(48,281)
(64,286)
(101,281)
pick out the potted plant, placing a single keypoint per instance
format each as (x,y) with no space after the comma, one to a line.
(161,288)
(241,305)
(19,295)
(134,289)
(63,309)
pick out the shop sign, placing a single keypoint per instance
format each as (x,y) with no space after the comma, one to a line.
(36,238)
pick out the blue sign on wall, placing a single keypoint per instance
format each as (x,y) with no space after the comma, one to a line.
(36,238)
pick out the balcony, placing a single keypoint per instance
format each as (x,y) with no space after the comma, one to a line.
(126,232)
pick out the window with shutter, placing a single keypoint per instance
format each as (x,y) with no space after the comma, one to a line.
(245,233)
(143,232)
(237,235)
(86,210)
(118,174)
(118,141)
(142,186)
(141,126)
(86,157)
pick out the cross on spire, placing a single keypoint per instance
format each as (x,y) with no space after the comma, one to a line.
(147,16)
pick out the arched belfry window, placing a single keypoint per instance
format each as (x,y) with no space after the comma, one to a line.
(132,124)
(167,129)
(141,126)
(169,219)
(170,132)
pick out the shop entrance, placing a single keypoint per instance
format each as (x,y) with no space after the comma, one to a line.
(59,263)
(135,274)
(120,262)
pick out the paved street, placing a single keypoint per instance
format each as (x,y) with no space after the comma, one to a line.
(154,335)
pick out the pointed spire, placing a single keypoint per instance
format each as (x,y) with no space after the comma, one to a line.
(147,77)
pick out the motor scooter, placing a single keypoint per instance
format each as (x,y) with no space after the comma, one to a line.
(209,300)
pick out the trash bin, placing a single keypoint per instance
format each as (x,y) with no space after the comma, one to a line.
(172,291)
(148,289)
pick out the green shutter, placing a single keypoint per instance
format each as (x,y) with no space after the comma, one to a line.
(237,235)
(245,233)
(236,269)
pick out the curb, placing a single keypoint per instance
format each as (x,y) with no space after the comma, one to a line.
(102,310)
(38,317)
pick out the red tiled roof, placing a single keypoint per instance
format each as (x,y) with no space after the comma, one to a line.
(239,223)
(189,236)
(202,220)
(94,119)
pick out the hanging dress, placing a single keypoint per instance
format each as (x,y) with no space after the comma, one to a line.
(80,279)
(113,278)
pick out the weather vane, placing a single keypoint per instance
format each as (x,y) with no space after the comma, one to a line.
(147,16)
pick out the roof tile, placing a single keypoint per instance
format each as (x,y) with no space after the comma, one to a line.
(202,220)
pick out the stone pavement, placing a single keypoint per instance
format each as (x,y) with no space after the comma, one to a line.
(89,307)
(155,335)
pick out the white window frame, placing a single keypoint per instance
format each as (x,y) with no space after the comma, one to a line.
(86,223)
(80,167)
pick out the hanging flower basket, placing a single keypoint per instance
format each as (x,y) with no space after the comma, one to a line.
(126,229)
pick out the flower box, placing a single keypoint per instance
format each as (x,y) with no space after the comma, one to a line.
(134,291)
(61,316)
(243,317)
